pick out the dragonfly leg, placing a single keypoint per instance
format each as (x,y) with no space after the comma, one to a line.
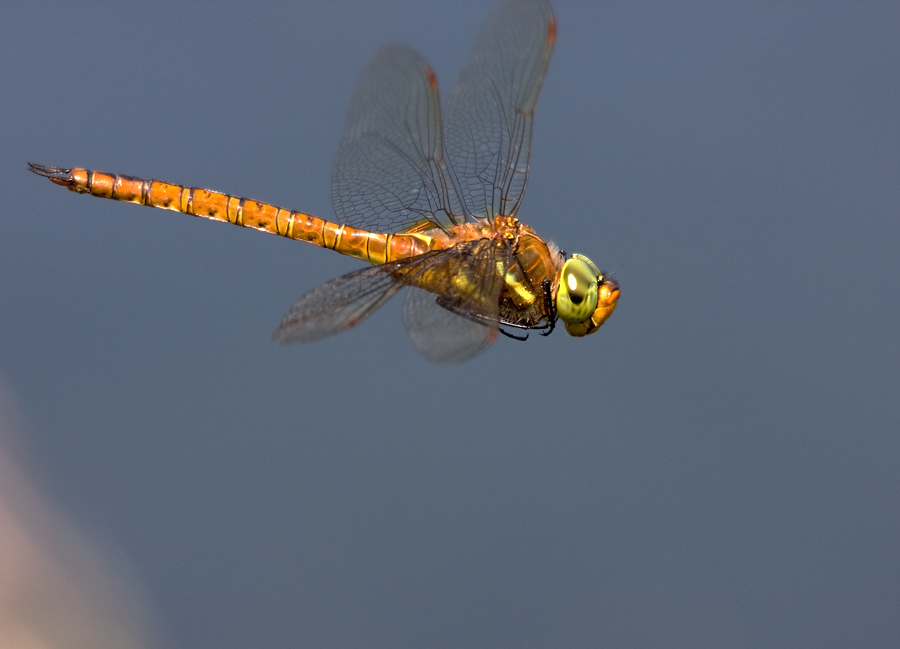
(513,336)
(549,307)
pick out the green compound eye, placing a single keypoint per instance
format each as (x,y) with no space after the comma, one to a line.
(576,297)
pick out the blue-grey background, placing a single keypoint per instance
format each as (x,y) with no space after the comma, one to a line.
(719,466)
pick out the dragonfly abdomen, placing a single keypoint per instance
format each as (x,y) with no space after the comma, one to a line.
(373,247)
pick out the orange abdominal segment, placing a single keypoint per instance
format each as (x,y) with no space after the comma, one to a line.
(373,247)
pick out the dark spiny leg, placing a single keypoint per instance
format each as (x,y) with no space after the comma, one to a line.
(513,336)
(549,306)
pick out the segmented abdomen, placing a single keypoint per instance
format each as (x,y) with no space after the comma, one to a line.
(374,247)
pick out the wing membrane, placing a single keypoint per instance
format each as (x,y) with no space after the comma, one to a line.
(451,314)
(462,318)
(337,305)
(389,174)
(441,335)
(489,112)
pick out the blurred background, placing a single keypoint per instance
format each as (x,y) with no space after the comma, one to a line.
(717,467)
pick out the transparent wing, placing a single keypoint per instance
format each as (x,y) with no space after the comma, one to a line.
(337,305)
(389,174)
(489,112)
(464,282)
(461,319)
(441,335)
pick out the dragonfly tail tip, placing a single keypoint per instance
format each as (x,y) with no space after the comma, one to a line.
(57,174)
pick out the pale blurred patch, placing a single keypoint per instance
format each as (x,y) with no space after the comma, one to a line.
(56,590)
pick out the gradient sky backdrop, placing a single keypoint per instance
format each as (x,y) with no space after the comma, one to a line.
(718,467)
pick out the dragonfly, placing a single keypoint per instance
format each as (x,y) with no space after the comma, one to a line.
(428,199)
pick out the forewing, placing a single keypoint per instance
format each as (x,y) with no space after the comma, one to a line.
(489,112)
(441,335)
(462,319)
(389,174)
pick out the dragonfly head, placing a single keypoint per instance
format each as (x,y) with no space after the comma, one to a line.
(586,297)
